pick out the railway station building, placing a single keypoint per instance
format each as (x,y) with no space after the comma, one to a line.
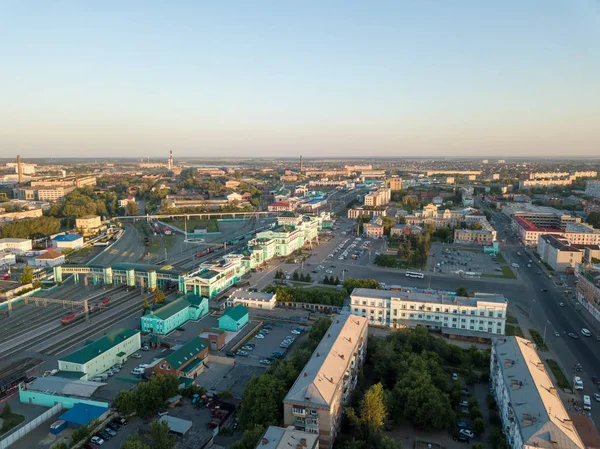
(172,315)
(97,357)
(233,319)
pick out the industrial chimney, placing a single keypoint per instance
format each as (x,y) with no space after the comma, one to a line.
(19,169)
(300,165)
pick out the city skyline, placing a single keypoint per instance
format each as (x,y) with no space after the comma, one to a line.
(334,80)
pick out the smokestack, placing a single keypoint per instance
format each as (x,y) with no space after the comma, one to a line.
(300,165)
(170,164)
(19,169)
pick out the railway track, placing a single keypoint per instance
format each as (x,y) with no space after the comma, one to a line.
(51,333)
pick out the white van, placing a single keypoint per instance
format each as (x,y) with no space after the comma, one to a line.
(578,383)
(587,403)
(586,332)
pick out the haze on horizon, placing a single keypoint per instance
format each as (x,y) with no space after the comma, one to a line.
(329,79)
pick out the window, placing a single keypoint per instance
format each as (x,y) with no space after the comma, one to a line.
(472,312)
(395,312)
(491,313)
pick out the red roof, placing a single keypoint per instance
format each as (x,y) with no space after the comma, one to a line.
(529,226)
(51,255)
(281,204)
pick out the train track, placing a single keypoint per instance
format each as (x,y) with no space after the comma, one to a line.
(44,336)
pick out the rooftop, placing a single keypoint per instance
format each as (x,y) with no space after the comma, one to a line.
(170,309)
(322,375)
(67,238)
(282,438)
(236,313)
(83,414)
(539,413)
(186,353)
(50,255)
(529,226)
(255,296)
(64,387)
(92,350)
(14,240)
(436,297)
(559,243)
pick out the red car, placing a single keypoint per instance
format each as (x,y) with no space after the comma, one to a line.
(214,424)
(595,380)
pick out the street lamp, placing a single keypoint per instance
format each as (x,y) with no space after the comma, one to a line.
(545,325)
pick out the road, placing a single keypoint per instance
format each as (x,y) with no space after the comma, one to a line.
(129,248)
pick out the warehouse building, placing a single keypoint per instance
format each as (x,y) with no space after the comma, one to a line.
(50,390)
(67,241)
(98,356)
(233,319)
(172,315)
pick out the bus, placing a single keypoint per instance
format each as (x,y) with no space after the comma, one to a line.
(414,274)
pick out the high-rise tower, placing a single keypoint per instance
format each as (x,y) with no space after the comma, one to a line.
(170,164)
(19,169)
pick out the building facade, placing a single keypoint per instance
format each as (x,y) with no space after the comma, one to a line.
(558,252)
(481,316)
(252,300)
(172,315)
(592,188)
(233,319)
(532,413)
(15,245)
(88,223)
(70,241)
(101,355)
(187,361)
(316,401)
(287,438)
(588,290)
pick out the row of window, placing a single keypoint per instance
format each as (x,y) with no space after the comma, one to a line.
(419,316)
(490,313)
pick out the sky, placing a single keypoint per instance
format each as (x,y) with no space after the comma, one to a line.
(326,78)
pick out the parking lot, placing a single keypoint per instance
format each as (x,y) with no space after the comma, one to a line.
(452,259)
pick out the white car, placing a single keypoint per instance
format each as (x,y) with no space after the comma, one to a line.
(97,440)
(260,336)
(467,433)
(295,332)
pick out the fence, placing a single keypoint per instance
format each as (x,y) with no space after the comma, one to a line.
(22,431)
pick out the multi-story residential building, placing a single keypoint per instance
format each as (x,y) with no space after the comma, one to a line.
(374,228)
(356,212)
(40,193)
(287,438)
(532,413)
(592,188)
(380,197)
(558,252)
(15,245)
(254,300)
(26,169)
(394,184)
(588,290)
(88,223)
(479,231)
(453,172)
(316,401)
(576,233)
(554,175)
(481,316)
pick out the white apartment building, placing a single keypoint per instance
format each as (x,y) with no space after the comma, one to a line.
(557,252)
(532,413)
(592,188)
(254,300)
(380,197)
(15,245)
(316,400)
(482,316)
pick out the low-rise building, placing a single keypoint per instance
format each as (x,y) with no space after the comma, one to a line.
(252,300)
(405,229)
(67,241)
(374,228)
(88,223)
(482,316)
(287,438)
(532,413)
(558,252)
(48,259)
(172,315)
(356,212)
(233,319)
(99,356)
(282,206)
(14,245)
(7,259)
(187,361)
(316,401)
(125,201)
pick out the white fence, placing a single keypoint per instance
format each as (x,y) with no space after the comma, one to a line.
(22,431)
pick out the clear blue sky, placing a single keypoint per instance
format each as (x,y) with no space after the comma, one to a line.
(283,78)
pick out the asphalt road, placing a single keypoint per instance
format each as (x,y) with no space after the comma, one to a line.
(129,248)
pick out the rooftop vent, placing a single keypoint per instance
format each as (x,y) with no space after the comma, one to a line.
(303,441)
(328,335)
(305,374)
(528,420)
(264,441)
(516,384)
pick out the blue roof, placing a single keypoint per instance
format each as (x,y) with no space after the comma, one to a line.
(83,414)
(67,237)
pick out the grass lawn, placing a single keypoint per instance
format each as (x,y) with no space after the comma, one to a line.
(539,341)
(513,330)
(559,375)
(500,258)
(194,222)
(507,273)
(11,420)
(511,319)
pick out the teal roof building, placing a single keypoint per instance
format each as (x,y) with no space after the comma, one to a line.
(233,319)
(172,315)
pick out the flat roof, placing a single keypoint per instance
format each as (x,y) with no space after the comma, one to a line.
(539,413)
(529,226)
(206,274)
(14,240)
(177,425)
(254,296)
(286,438)
(323,373)
(83,414)
(64,387)
(92,350)
(67,238)
(432,298)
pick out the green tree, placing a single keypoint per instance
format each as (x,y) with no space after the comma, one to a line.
(160,435)
(295,276)
(478,446)
(146,305)
(318,330)
(336,281)
(478,426)
(225,394)
(134,442)
(594,219)
(250,438)
(30,228)
(159,297)
(387,223)
(125,402)
(26,275)
(62,445)
(7,409)
(80,434)
(352,283)
(262,401)
(372,407)
(462,291)
(308,278)
(131,208)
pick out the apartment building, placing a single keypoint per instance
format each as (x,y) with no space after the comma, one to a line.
(557,252)
(316,401)
(532,413)
(356,212)
(26,169)
(40,193)
(88,223)
(481,316)
(253,300)
(70,181)
(554,175)
(453,172)
(394,184)
(588,290)
(576,233)
(478,231)
(592,188)
(374,228)
(380,197)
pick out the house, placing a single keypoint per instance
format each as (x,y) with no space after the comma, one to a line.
(125,201)
(405,229)
(233,319)
(187,361)
(48,259)
(67,241)
(175,313)
(255,300)
(97,357)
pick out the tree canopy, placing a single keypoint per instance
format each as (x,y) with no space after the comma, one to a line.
(29,228)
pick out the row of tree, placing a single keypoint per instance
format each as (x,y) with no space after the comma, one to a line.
(30,228)
(148,396)
(330,280)
(313,295)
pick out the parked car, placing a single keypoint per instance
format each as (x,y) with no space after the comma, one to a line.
(597,397)
(247,348)
(463,404)
(110,431)
(460,438)
(464,425)
(454,376)
(596,380)
(146,348)
(90,445)
(242,353)
(230,354)
(137,355)
(105,436)
(296,332)
(468,433)
(259,336)
(97,440)
(265,361)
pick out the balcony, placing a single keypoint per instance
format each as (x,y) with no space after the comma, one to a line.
(298,411)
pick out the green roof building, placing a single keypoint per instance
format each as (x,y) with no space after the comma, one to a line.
(234,319)
(187,361)
(172,315)
(99,356)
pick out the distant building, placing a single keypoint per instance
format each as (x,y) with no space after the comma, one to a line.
(40,193)
(381,197)
(70,241)
(405,229)
(356,212)
(282,206)
(315,402)
(252,300)
(97,357)
(233,319)
(394,184)
(125,201)
(532,413)
(374,228)
(592,188)
(88,223)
